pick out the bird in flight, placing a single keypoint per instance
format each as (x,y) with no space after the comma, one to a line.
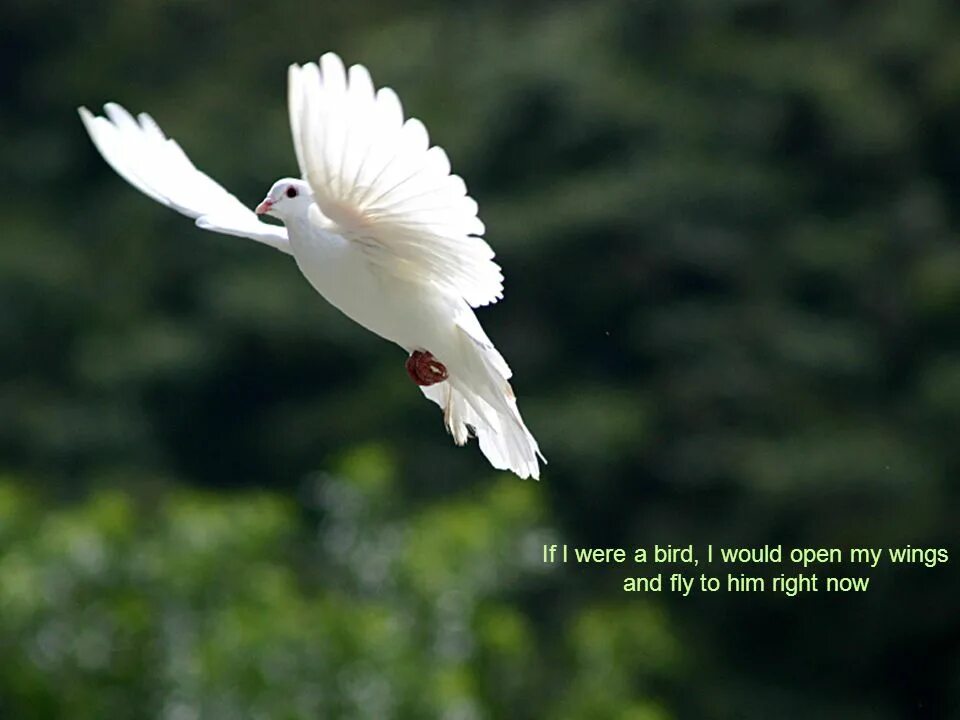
(379,227)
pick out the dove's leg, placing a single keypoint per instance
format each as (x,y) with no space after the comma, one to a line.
(424,369)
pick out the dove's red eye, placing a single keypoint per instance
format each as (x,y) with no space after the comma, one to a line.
(291,192)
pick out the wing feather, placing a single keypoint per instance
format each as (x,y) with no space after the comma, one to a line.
(156,165)
(376,176)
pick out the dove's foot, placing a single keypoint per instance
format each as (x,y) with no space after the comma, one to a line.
(424,369)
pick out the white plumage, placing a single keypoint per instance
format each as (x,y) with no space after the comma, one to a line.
(378,225)
(157,167)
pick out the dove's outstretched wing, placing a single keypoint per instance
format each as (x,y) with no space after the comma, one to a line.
(377,178)
(155,165)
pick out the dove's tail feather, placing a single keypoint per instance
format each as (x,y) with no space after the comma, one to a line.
(477,400)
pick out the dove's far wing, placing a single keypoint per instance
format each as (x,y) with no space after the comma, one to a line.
(155,165)
(378,179)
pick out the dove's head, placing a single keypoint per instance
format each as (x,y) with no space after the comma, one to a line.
(287,198)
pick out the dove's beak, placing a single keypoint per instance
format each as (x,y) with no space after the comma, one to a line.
(264,207)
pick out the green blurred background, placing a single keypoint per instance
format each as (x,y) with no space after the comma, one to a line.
(729,230)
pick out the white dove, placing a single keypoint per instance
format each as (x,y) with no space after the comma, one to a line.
(378,225)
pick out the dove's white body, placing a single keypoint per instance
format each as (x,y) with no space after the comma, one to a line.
(419,316)
(378,226)
(406,313)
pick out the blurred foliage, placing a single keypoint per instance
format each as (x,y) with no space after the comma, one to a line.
(729,231)
(242,607)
